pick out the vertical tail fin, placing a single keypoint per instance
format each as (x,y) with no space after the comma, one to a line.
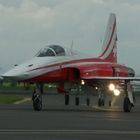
(109,48)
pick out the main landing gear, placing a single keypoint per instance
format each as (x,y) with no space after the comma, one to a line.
(101,98)
(77,101)
(67,96)
(37,97)
(127,105)
(67,99)
(77,97)
(129,98)
(101,102)
(88,101)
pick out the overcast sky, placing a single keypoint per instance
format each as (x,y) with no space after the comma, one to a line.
(28,25)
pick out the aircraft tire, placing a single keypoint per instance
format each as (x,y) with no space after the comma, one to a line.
(66,99)
(37,103)
(88,102)
(77,101)
(109,103)
(101,102)
(127,105)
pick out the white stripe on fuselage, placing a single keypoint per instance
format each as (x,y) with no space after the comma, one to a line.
(45,65)
(58,65)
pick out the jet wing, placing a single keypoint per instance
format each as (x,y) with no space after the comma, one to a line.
(111,78)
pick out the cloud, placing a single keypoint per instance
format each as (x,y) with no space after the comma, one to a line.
(28,25)
(98,1)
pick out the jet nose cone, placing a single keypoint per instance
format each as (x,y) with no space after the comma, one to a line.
(9,74)
(15,74)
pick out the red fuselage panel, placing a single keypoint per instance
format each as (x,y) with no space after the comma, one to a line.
(91,70)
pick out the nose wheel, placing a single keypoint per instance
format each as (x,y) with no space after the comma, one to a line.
(37,97)
(37,101)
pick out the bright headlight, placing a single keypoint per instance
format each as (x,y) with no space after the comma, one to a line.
(116,92)
(111,87)
(82,82)
(96,88)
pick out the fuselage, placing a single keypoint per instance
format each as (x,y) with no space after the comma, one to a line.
(62,68)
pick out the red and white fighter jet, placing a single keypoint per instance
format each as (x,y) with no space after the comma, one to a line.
(55,64)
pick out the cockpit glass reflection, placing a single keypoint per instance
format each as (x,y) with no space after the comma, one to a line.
(52,50)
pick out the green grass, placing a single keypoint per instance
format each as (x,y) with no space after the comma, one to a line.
(8,86)
(9,99)
(21,86)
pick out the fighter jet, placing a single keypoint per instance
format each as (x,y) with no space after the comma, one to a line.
(56,64)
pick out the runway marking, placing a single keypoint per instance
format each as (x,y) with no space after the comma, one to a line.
(66,132)
(107,109)
(22,101)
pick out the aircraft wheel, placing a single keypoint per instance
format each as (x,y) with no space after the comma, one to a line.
(101,102)
(77,101)
(66,99)
(37,102)
(109,103)
(127,105)
(88,102)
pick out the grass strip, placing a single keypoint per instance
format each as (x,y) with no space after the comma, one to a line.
(9,99)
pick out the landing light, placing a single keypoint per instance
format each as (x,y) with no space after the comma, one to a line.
(96,88)
(82,82)
(111,87)
(116,92)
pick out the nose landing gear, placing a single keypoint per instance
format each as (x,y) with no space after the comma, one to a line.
(37,97)
(37,101)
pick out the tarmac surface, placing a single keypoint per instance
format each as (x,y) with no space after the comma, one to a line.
(59,122)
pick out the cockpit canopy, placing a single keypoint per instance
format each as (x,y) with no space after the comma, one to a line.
(51,50)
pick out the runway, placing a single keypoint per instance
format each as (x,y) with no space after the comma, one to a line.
(59,122)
